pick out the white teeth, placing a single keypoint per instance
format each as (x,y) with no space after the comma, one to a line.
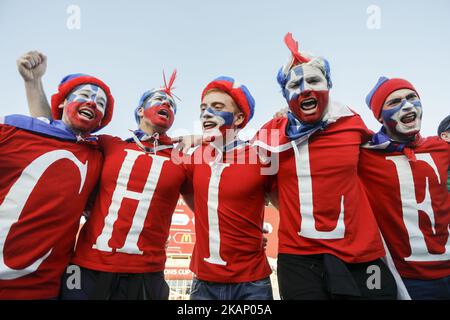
(410,117)
(309,104)
(87,113)
(209,124)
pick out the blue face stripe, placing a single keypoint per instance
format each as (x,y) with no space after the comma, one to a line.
(93,95)
(387,114)
(148,101)
(228,117)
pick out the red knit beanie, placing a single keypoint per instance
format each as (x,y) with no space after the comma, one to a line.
(385,86)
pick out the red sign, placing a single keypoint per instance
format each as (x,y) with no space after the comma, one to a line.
(182,231)
(271,221)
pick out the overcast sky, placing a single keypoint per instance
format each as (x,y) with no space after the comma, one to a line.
(129,43)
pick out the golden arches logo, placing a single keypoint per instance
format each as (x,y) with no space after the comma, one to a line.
(186,238)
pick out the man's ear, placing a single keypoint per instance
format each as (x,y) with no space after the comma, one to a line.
(239,119)
(141,112)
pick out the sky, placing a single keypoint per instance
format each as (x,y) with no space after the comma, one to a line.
(129,43)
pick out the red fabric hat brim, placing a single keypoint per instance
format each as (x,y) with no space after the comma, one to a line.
(65,88)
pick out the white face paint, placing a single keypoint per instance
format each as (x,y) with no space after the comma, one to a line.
(408,118)
(212,121)
(89,92)
(305,78)
(158,99)
(217,113)
(402,114)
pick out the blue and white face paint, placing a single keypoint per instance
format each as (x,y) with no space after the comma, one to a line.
(216,122)
(219,114)
(89,93)
(304,78)
(159,109)
(404,119)
(159,98)
(307,92)
(85,108)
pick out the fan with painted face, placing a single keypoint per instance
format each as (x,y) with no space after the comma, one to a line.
(307,92)
(396,104)
(158,110)
(83,102)
(227,106)
(84,108)
(402,114)
(305,84)
(218,112)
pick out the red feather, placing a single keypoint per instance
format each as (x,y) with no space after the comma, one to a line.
(168,88)
(293,47)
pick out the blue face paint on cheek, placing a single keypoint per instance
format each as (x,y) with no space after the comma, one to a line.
(228,117)
(417,104)
(387,115)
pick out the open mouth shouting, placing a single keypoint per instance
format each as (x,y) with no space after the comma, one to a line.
(409,119)
(163,113)
(309,105)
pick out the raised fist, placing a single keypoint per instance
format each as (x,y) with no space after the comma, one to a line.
(32,65)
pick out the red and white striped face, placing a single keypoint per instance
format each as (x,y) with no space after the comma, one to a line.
(307,92)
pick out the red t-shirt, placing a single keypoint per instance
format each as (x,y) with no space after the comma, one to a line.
(130,220)
(45,183)
(229,198)
(322,204)
(412,206)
